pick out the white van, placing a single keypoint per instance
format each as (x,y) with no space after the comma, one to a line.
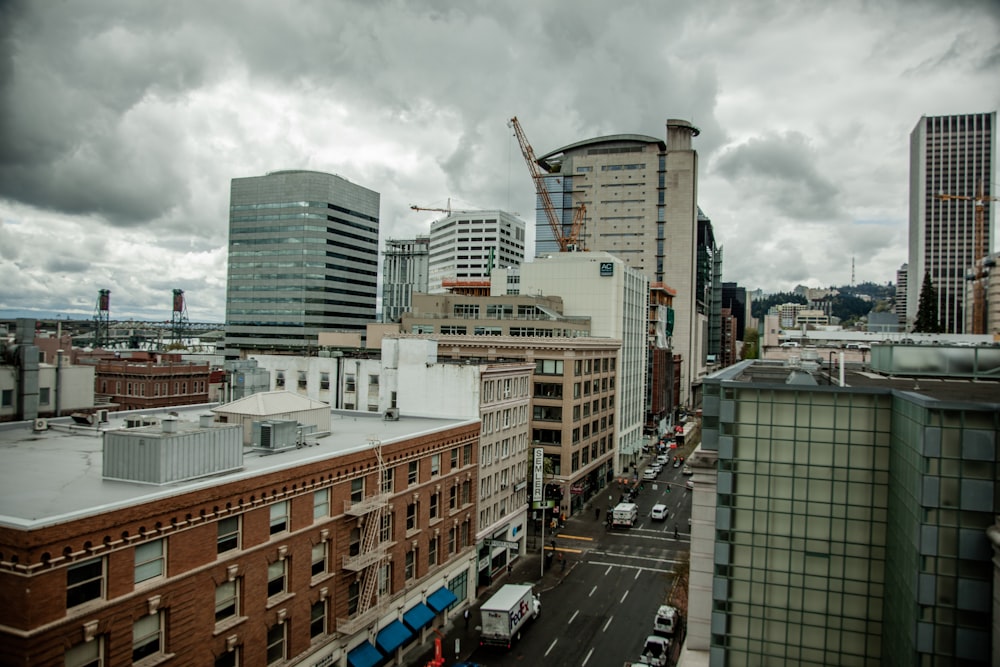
(665,623)
(624,515)
(659,512)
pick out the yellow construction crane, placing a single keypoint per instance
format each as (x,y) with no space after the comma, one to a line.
(979,252)
(567,242)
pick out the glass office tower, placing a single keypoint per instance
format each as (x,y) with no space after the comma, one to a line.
(303,258)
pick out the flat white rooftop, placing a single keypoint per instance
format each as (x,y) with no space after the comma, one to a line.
(52,476)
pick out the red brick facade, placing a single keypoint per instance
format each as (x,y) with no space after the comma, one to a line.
(37,628)
(147,385)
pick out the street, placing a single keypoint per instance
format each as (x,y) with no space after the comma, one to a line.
(598,608)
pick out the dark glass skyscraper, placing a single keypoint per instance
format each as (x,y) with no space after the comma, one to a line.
(303,258)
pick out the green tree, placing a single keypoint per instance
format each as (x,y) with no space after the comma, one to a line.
(927,313)
(751,343)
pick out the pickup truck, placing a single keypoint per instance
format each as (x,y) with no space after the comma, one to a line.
(506,613)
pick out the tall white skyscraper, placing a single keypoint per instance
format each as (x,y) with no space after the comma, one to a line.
(951,164)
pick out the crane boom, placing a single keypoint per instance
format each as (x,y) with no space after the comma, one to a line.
(566,242)
(978,253)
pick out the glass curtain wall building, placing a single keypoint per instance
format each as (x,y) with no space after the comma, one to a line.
(850,522)
(303,258)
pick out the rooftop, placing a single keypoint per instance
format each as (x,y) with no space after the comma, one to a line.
(51,476)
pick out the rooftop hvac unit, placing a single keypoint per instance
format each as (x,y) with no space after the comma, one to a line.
(392,415)
(41,424)
(275,435)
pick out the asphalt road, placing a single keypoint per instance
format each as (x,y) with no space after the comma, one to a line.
(598,611)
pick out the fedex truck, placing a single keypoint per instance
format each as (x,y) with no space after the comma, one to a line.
(506,612)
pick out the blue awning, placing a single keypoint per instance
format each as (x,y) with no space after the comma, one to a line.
(419,617)
(392,637)
(440,599)
(364,655)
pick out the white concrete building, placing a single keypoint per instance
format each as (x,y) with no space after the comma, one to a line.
(468,244)
(615,296)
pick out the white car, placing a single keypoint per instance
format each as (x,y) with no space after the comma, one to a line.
(686,470)
(659,512)
(656,651)
(690,484)
(665,622)
(649,473)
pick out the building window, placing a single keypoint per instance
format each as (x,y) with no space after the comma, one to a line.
(87,654)
(387,480)
(276,578)
(432,551)
(357,490)
(349,383)
(411,517)
(279,517)
(454,458)
(7,398)
(451,540)
(84,582)
(385,579)
(279,379)
(354,542)
(149,560)
(353,597)
(229,658)
(386,534)
(302,380)
(459,586)
(412,473)
(435,504)
(372,382)
(319,559)
(411,559)
(229,534)
(43,395)
(147,636)
(435,465)
(226,601)
(324,380)
(453,497)
(275,643)
(317,619)
(321,503)
(467,455)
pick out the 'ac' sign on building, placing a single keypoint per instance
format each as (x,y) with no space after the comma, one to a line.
(607,269)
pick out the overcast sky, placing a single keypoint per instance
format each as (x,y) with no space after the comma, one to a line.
(122,123)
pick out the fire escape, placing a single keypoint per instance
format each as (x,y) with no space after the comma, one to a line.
(376,540)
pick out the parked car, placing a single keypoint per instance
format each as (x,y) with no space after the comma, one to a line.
(656,651)
(649,473)
(687,470)
(690,484)
(662,459)
(659,512)
(657,467)
(665,621)
(677,463)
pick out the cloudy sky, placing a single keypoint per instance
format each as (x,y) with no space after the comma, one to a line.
(122,123)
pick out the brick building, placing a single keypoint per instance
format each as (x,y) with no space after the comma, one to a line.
(148,385)
(340,550)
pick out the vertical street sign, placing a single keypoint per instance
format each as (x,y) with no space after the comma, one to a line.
(539,471)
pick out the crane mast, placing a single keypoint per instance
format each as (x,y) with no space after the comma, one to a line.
(567,242)
(979,253)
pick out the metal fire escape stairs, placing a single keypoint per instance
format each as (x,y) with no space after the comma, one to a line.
(373,550)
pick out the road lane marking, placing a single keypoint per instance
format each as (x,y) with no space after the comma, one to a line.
(575,537)
(551,646)
(607,571)
(573,616)
(605,628)
(592,590)
(637,573)
(620,555)
(589,653)
(566,549)
(638,567)
(624,595)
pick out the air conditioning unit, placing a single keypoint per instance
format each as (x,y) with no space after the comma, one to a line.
(41,424)
(391,415)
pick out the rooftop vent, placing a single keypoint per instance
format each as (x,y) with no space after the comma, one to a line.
(391,415)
